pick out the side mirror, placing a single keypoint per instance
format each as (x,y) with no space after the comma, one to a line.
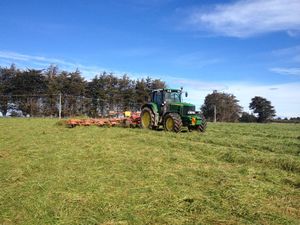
(186,94)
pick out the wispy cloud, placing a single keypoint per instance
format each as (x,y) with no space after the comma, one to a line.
(88,71)
(30,60)
(194,84)
(287,71)
(292,54)
(23,57)
(247,18)
(294,33)
(137,52)
(195,60)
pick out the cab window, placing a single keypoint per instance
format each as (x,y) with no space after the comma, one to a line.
(158,98)
(173,97)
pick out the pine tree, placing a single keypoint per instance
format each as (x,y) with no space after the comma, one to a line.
(263,108)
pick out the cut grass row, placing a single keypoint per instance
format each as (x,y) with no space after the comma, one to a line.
(232,174)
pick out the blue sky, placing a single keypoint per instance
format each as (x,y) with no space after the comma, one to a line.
(244,47)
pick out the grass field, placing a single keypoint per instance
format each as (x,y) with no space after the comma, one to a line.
(232,174)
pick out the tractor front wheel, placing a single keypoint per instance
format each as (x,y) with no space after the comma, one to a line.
(172,122)
(202,126)
(147,119)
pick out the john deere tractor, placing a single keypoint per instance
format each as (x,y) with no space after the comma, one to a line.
(167,109)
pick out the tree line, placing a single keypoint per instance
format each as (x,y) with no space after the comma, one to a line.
(33,92)
(224,107)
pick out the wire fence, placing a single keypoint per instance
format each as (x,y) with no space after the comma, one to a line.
(62,105)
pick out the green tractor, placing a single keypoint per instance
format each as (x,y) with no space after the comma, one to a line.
(167,109)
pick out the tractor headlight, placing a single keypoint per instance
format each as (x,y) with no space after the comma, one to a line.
(191,112)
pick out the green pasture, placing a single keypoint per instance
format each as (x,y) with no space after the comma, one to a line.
(232,174)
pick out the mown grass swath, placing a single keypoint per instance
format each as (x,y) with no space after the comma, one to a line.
(232,174)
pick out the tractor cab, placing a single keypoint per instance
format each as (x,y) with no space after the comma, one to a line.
(168,95)
(165,97)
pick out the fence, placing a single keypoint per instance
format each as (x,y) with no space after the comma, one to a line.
(61,105)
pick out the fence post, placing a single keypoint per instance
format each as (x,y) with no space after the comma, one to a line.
(215,114)
(59,106)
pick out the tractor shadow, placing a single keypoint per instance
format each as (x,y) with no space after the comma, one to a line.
(160,129)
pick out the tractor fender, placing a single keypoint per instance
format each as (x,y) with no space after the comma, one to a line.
(154,109)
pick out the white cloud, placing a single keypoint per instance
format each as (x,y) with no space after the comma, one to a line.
(284,97)
(31,60)
(287,71)
(25,61)
(23,57)
(247,18)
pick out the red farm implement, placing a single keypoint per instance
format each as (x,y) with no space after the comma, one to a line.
(129,120)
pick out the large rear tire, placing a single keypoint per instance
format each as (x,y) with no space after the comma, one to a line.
(172,122)
(147,119)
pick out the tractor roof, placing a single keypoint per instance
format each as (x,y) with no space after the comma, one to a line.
(166,89)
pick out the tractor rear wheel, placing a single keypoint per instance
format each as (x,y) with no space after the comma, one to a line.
(147,119)
(172,122)
(202,126)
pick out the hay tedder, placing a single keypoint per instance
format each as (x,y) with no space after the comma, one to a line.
(128,119)
(166,109)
